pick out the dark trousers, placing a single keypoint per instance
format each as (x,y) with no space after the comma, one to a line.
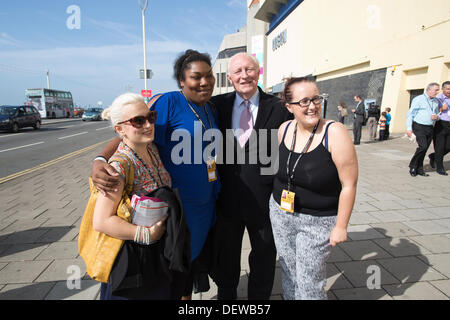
(441,142)
(424,135)
(382,135)
(261,260)
(357,128)
(386,132)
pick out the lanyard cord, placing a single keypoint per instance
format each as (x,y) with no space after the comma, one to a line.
(430,105)
(196,114)
(308,143)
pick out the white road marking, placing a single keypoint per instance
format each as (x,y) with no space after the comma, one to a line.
(28,145)
(12,135)
(102,128)
(73,135)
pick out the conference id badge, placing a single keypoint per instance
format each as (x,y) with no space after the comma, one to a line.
(287,201)
(211,166)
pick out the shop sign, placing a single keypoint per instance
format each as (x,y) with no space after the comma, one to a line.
(279,40)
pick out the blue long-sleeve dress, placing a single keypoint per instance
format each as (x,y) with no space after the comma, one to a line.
(185,162)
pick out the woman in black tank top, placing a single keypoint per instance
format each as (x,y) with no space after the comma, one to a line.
(314,191)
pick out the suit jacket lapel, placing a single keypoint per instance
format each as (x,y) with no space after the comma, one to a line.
(264,110)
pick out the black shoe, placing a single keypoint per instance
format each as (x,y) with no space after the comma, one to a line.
(432,163)
(412,172)
(442,172)
(422,173)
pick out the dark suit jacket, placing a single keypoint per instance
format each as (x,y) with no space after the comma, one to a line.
(244,190)
(360,111)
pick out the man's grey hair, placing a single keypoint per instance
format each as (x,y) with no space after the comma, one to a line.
(252,57)
(431,85)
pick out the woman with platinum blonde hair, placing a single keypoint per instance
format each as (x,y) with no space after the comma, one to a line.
(134,122)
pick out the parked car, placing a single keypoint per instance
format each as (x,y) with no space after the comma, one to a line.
(78,112)
(13,118)
(94,114)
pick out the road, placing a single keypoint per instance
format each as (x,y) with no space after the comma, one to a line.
(31,148)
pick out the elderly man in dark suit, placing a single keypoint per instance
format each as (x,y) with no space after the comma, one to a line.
(246,119)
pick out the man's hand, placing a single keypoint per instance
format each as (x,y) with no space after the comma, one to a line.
(434,117)
(104,177)
(409,133)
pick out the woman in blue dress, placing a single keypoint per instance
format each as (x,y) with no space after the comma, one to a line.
(186,135)
(183,119)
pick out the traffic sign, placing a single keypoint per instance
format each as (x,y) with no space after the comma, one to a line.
(146,93)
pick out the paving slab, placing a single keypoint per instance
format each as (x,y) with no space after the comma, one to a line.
(428,226)
(410,269)
(394,229)
(400,247)
(59,250)
(387,216)
(439,262)
(87,290)
(22,252)
(433,243)
(336,279)
(442,285)
(415,291)
(363,232)
(360,272)
(364,250)
(63,270)
(362,294)
(28,291)
(22,271)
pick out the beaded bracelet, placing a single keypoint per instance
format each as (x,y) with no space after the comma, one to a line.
(142,235)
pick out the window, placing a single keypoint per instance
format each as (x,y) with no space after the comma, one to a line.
(223,80)
(218,80)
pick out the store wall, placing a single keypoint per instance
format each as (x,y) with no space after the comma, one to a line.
(334,39)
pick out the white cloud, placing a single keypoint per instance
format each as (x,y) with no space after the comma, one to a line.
(7,40)
(237,3)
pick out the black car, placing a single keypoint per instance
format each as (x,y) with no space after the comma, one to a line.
(13,118)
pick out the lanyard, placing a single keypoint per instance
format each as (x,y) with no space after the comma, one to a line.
(308,143)
(426,98)
(196,114)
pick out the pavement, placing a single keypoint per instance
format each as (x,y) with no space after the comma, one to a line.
(398,246)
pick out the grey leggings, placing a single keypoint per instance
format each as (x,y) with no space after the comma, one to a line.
(303,246)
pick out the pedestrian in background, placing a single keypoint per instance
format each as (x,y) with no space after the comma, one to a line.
(420,121)
(382,123)
(314,191)
(133,121)
(441,135)
(373,114)
(388,122)
(359,114)
(342,112)
(198,186)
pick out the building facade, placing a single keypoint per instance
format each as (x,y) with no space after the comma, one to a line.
(386,51)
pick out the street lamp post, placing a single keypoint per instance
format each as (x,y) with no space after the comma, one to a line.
(144,5)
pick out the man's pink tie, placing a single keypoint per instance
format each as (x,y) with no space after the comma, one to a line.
(246,124)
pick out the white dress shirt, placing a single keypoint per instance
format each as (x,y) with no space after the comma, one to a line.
(239,106)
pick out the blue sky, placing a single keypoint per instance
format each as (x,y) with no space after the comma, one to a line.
(102,59)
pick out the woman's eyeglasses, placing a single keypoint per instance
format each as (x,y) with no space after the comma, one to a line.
(139,121)
(317,100)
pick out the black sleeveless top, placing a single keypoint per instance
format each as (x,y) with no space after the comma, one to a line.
(316,181)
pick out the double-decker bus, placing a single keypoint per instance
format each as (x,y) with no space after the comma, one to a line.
(51,103)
